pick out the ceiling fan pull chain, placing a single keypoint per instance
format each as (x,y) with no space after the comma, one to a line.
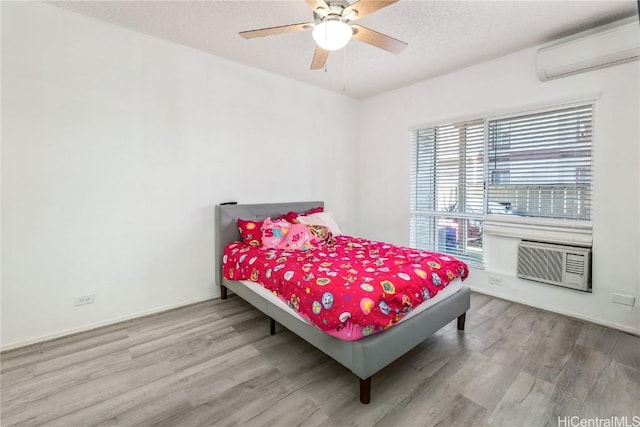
(326,36)
(344,70)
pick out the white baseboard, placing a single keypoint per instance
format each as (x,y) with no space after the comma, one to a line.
(37,340)
(86,328)
(611,325)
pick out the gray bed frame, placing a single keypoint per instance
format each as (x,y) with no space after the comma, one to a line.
(364,357)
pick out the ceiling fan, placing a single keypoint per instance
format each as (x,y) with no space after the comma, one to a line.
(332,28)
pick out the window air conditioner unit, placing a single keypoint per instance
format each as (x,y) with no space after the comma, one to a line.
(601,47)
(567,266)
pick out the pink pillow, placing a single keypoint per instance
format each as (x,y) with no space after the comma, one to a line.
(298,238)
(274,232)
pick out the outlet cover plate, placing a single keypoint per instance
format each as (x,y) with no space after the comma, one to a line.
(495,280)
(623,299)
(85,299)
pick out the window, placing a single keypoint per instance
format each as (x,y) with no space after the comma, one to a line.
(534,165)
(540,164)
(447,194)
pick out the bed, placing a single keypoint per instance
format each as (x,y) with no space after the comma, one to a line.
(363,357)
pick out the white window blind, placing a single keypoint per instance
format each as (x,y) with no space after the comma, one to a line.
(539,164)
(536,165)
(447,189)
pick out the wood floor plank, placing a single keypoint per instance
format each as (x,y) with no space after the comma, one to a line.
(328,385)
(17,375)
(293,410)
(148,337)
(433,397)
(218,349)
(492,380)
(178,337)
(598,338)
(479,300)
(575,382)
(212,384)
(137,405)
(250,395)
(524,404)
(548,354)
(38,387)
(214,363)
(150,413)
(463,413)
(83,395)
(514,335)
(20,358)
(616,392)
(68,349)
(627,350)
(494,307)
(389,390)
(435,352)
(68,360)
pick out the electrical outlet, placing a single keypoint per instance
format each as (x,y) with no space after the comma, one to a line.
(623,299)
(85,299)
(495,280)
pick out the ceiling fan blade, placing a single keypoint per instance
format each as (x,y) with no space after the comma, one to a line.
(319,58)
(378,40)
(319,6)
(364,8)
(276,30)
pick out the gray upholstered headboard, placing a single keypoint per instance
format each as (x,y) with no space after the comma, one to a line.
(226,230)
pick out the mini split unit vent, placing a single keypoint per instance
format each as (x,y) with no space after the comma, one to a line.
(601,47)
(567,266)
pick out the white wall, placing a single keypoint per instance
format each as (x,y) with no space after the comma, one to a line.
(115,148)
(509,84)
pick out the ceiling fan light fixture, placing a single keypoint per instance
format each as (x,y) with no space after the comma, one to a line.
(332,34)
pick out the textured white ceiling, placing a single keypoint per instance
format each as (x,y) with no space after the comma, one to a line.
(442,35)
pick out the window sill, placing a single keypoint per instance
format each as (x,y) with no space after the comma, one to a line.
(567,232)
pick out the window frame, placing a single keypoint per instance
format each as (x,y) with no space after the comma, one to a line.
(466,141)
(559,230)
(530,179)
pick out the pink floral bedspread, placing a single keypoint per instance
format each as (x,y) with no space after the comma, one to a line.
(356,281)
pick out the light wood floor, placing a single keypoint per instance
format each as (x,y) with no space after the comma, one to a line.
(215,363)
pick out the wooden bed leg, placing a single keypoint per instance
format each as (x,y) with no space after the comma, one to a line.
(223,292)
(461,320)
(272,326)
(365,390)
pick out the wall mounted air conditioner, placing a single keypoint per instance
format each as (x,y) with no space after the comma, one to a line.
(601,47)
(567,266)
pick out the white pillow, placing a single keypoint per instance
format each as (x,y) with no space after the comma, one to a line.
(321,218)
